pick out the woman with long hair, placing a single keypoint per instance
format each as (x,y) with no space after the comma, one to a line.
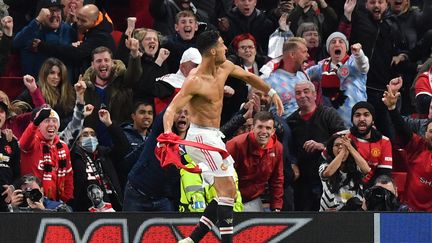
(56,89)
(341,174)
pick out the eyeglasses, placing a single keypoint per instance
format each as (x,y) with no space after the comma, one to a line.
(244,48)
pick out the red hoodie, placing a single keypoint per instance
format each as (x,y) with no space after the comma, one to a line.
(258,166)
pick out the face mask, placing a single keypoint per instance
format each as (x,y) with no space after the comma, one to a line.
(89,144)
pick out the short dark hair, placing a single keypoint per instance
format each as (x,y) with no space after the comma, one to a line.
(93,186)
(384,179)
(262,116)
(141,102)
(206,40)
(101,49)
(29,178)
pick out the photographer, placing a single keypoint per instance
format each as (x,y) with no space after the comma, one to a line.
(30,197)
(383,196)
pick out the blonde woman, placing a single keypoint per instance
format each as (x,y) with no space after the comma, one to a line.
(153,59)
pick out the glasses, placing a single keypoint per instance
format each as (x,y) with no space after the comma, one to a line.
(244,48)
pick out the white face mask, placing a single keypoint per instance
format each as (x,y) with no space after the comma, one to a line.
(89,144)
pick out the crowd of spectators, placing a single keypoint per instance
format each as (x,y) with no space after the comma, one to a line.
(354,77)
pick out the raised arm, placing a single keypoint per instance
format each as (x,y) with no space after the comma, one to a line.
(258,83)
(188,90)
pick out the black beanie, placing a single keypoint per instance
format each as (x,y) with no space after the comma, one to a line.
(366,105)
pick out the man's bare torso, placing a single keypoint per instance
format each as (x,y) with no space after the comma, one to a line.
(206,105)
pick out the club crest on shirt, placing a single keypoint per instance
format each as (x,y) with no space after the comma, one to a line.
(343,71)
(375,152)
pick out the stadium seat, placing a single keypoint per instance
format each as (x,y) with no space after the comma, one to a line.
(400,178)
(117,37)
(12,86)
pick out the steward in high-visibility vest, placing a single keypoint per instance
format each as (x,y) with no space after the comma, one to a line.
(194,196)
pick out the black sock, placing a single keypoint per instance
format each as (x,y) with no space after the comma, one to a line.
(206,221)
(225,218)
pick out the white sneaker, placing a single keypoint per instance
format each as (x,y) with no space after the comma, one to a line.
(186,240)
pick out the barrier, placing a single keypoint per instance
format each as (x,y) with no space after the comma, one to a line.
(157,227)
(127,227)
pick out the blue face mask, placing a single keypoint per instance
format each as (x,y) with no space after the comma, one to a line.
(89,144)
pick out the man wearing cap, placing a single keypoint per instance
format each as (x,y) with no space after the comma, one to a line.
(95,30)
(375,148)
(44,155)
(49,27)
(342,77)
(9,156)
(166,87)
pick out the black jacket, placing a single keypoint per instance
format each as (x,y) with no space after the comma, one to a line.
(380,40)
(109,162)
(258,24)
(323,123)
(148,176)
(176,45)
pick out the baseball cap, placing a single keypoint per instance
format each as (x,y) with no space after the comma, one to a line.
(191,54)
(50,3)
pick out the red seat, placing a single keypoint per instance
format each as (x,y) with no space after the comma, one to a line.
(12,86)
(400,178)
(13,66)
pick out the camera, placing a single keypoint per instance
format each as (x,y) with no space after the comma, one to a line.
(380,199)
(33,194)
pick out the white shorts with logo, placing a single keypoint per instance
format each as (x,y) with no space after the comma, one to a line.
(210,162)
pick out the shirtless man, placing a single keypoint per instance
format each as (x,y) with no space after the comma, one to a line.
(202,93)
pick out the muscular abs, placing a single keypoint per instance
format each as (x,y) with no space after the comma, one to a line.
(206,105)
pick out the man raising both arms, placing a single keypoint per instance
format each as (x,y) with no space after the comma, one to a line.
(202,93)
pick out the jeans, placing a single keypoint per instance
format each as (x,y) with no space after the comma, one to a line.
(136,200)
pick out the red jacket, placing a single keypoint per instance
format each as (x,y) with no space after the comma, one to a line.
(57,183)
(19,123)
(256,167)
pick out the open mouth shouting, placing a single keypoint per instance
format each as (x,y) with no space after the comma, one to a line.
(151,48)
(104,72)
(376,12)
(51,131)
(362,127)
(188,32)
(181,125)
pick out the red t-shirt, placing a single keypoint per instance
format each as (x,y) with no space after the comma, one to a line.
(377,154)
(418,193)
